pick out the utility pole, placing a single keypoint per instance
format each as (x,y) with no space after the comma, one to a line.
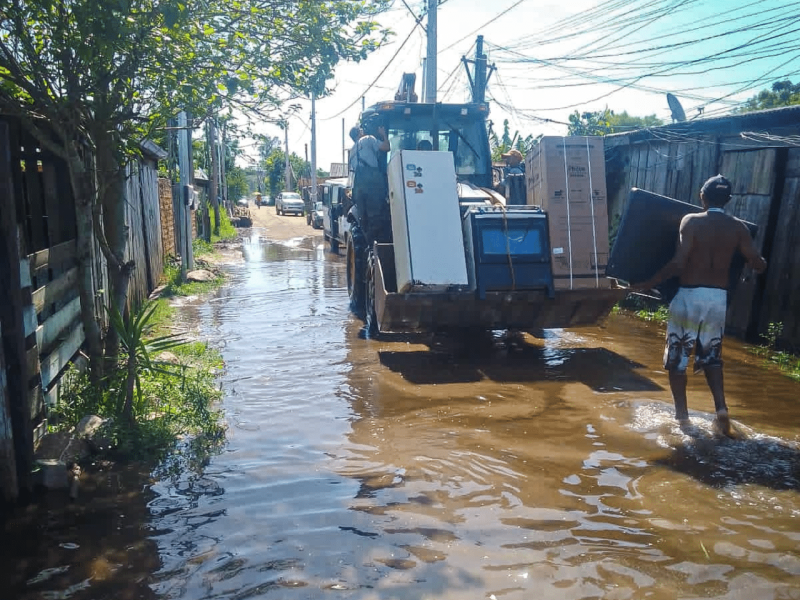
(287,175)
(479,95)
(343,143)
(483,72)
(186,191)
(430,63)
(214,187)
(313,151)
(224,152)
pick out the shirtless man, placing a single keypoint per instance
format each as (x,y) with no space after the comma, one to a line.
(706,246)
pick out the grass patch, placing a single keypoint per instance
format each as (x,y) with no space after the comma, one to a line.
(176,287)
(659,315)
(786,362)
(226,229)
(643,308)
(176,399)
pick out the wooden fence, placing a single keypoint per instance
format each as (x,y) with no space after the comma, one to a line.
(143,217)
(8,463)
(760,154)
(40,309)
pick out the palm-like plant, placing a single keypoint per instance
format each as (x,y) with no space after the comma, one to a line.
(138,351)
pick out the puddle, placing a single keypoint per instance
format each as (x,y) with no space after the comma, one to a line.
(543,466)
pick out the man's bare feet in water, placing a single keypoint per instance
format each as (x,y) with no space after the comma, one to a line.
(686,427)
(722,424)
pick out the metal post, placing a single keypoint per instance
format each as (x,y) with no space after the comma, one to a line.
(343,143)
(430,74)
(313,150)
(287,175)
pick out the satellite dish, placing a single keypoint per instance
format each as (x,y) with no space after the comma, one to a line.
(676,108)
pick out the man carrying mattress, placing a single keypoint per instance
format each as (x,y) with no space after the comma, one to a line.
(707,244)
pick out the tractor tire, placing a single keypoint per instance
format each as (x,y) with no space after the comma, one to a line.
(356,259)
(371,327)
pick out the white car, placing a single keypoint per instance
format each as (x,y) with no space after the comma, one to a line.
(289,202)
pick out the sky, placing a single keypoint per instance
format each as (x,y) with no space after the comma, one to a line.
(553,58)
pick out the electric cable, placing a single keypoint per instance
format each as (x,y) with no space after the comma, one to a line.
(489,22)
(374,81)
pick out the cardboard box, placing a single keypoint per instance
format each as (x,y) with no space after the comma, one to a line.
(566,176)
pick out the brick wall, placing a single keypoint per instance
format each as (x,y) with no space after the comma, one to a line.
(167,219)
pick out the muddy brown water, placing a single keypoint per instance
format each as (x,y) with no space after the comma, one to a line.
(536,466)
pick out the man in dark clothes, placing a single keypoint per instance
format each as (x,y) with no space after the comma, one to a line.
(370,189)
(513,184)
(706,246)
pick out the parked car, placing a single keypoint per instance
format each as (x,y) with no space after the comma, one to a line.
(316,216)
(336,203)
(289,202)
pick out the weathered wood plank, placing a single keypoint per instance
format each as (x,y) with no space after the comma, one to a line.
(11,311)
(756,209)
(660,167)
(781,298)
(8,462)
(39,432)
(32,360)
(54,206)
(793,163)
(24,273)
(58,254)
(53,328)
(54,291)
(151,211)
(37,219)
(52,365)
(29,321)
(36,404)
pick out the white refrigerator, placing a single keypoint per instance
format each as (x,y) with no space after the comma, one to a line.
(426,222)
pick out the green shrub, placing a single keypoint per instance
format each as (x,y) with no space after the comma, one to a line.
(172,400)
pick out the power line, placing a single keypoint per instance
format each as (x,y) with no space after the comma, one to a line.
(416,18)
(374,81)
(489,22)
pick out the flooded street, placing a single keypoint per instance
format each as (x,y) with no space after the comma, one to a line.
(419,468)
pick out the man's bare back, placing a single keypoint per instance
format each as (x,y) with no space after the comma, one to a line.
(710,240)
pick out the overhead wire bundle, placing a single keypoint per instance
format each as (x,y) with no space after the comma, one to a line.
(646,46)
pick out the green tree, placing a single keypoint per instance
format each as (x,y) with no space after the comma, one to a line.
(502,144)
(624,122)
(101,74)
(606,121)
(275,167)
(781,93)
(237,184)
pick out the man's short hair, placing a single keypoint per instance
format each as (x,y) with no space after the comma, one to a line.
(354,132)
(717,190)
